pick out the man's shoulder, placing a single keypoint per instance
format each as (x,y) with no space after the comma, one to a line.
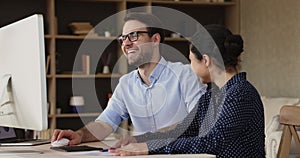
(129,75)
(178,66)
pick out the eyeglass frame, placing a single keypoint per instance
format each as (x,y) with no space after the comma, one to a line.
(122,38)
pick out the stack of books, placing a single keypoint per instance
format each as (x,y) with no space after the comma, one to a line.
(81,28)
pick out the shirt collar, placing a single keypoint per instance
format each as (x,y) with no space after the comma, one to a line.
(240,77)
(156,71)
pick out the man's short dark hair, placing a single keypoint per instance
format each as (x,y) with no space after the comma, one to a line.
(152,22)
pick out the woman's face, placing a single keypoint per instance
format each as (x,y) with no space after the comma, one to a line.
(200,68)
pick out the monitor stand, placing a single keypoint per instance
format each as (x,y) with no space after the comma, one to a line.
(6,101)
(5,89)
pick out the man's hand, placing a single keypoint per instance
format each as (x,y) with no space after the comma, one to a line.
(93,131)
(132,149)
(74,137)
(124,140)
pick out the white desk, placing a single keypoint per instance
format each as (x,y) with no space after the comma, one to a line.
(46,152)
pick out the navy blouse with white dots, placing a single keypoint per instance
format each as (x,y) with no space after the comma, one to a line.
(228,122)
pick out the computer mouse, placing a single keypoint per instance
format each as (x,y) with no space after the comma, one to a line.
(61,142)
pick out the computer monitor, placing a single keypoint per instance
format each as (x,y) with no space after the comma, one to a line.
(23,99)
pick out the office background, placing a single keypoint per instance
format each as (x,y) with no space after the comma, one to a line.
(271,30)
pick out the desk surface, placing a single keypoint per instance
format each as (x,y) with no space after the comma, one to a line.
(45,151)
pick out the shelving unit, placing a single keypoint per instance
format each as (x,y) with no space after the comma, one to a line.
(59,40)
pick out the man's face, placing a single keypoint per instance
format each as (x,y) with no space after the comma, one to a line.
(138,49)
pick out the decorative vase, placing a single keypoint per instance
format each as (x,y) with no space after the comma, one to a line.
(106,69)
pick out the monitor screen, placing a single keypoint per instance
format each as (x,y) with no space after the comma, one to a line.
(23,99)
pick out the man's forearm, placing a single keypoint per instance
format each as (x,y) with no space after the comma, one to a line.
(94,131)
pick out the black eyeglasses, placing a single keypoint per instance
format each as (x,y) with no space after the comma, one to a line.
(132,36)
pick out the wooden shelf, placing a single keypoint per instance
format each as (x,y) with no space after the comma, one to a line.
(101,1)
(138,1)
(81,37)
(70,115)
(100,75)
(175,39)
(194,3)
(49,76)
(75,37)
(48,36)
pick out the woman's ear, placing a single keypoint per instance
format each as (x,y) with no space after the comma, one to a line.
(206,60)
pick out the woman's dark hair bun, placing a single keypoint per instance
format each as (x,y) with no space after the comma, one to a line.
(234,44)
(229,45)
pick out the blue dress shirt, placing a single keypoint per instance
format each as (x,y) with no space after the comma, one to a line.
(173,93)
(228,122)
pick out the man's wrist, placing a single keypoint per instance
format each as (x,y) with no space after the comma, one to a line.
(80,133)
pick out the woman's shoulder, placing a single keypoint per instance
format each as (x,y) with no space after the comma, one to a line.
(244,91)
(240,85)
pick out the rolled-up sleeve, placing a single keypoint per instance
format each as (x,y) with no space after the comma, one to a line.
(116,111)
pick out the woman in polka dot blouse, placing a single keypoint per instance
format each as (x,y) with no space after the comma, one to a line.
(229,118)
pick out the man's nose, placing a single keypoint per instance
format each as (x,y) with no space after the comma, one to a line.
(127,42)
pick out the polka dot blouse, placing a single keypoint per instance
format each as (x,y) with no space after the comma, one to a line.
(228,122)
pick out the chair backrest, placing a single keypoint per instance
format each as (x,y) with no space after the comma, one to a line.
(289,117)
(272,106)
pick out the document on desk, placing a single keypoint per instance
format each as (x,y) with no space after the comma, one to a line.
(106,154)
(19,152)
(90,153)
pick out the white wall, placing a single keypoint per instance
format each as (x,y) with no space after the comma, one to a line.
(271,32)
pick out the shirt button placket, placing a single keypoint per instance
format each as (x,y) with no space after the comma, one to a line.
(149,103)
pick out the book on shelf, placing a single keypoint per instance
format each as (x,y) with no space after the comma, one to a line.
(81,28)
(83,32)
(80,24)
(85,64)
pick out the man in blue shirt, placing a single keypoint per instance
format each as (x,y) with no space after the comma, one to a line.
(156,95)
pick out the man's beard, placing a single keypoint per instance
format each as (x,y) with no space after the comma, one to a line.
(144,57)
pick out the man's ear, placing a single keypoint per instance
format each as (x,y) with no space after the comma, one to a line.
(207,60)
(156,38)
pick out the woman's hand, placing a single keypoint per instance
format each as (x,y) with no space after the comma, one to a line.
(132,149)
